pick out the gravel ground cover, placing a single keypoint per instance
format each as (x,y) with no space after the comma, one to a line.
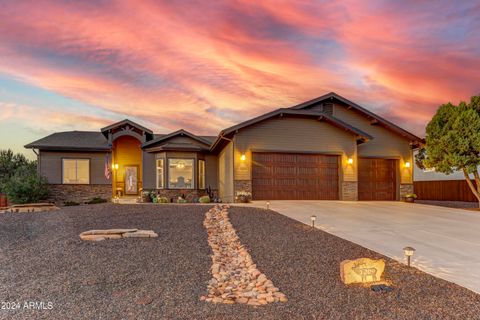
(304,264)
(43,259)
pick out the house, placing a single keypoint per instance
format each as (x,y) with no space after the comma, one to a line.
(328,148)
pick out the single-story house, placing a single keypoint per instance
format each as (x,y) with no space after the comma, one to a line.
(328,148)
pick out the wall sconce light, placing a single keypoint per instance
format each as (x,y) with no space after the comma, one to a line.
(115,166)
(313,218)
(243,157)
(408,253)
(407,164)
(268,205)
(350,161)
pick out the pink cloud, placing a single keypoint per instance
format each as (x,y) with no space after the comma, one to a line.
(204,66)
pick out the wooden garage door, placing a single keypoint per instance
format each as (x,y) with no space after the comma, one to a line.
(288,176)
(377,179)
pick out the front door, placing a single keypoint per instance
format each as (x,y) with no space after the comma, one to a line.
(131,180)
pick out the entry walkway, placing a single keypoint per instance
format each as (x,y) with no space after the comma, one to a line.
(447,240)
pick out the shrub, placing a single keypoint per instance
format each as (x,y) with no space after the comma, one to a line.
(70,203)
(26,186)
(97,200)
(181,200)
(9,163)
(204,199)
(411,195)
(163,200)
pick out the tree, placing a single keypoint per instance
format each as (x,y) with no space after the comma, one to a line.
(9,163)
(453,141)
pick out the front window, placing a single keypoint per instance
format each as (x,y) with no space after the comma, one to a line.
(160,174)
(180,173)
(76,171)
(201,174)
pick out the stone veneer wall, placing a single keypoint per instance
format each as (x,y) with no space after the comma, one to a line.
(349,191)
(81,193)
(242,185)
(190,194)
(405,188)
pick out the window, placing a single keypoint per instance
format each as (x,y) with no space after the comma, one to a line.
(76,171)
(160,174)
(201,174)
(180,173)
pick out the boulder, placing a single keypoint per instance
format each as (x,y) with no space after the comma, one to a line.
(141,234)
(108,231)
(92,237)
(362,270)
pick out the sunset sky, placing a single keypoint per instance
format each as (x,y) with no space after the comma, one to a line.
(205,65)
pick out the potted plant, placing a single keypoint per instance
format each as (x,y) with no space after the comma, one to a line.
(244,196)
(410,197)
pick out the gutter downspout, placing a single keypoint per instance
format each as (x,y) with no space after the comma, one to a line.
(38,159)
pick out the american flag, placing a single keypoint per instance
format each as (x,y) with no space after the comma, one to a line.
(107,166)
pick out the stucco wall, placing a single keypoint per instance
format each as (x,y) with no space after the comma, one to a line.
(50,165)
(225,174)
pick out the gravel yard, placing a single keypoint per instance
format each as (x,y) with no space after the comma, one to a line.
(43,259)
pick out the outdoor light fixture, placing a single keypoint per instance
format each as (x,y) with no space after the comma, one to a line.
(242,157)
(268,205)
(115,166)
(350,160)
(313,218)
(181,165)
(407,164)
(408,253)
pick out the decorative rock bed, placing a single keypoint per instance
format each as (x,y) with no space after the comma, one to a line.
(100,235)
(236,278)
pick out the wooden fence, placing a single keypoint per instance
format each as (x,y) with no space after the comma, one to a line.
(448,190)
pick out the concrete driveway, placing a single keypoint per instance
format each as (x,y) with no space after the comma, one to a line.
(447,240)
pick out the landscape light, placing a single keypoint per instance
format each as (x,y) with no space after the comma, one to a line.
(408,253)
(242,157)
(313,218)
(268,205)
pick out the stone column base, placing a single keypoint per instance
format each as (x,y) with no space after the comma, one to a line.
(405,188)
(242,186)
(349,191)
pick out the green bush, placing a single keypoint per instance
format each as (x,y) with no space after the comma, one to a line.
(9,163)
(97,200)
(26,186)
(181,200)
(70,203)
(204,199)
(411,195)
(163,200)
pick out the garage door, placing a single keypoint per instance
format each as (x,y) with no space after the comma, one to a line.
(377,179)
(287,176)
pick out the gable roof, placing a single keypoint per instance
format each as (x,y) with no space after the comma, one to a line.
(363,136)
(72,140)
(387,124)
(123,122)
(181,132)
